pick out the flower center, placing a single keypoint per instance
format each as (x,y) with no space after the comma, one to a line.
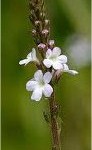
(41,83)
(53,58)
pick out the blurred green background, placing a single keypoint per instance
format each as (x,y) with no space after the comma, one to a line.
(23,125)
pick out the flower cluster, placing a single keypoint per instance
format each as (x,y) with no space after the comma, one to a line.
(53,63)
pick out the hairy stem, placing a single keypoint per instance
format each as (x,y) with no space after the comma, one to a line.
(54,123)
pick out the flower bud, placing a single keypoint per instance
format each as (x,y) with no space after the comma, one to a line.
(34,32)
(51,44)
(37,23)
(42,15)
(47,23)
(45,32)
(41,46)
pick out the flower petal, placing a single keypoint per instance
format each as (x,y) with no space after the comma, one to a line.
(31,85)
(73,72)
(47,63)
(47,91)
(38,76)
(56,51)
(25,61)
(34,54)
(48,53)
(22,62)
(62,59)
(37,94)
(29,55)
(57,65)
(47,77)
(65,67)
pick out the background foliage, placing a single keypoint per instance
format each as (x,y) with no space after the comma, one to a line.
(23,125)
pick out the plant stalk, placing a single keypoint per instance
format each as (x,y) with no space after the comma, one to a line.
(55,129)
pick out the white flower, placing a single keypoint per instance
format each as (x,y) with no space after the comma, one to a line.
(40,85)
(30,57)
(54,59)
(57,61)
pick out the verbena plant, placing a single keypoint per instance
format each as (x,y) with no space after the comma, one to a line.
(50,66)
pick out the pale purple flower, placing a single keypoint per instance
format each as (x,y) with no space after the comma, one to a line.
(40,85)
(31,57)
(57,61)
(54,59)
